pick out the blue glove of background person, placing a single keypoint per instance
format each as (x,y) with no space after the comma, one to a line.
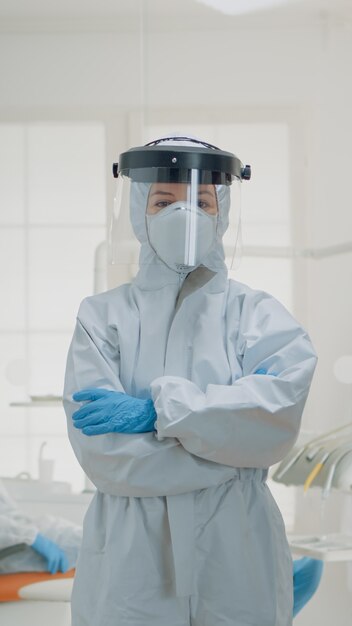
(112,412)
(306,578)
(52,553)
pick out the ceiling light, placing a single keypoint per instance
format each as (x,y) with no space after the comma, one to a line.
(239,7)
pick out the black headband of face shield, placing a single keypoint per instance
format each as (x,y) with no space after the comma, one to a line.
(157,158)
(201,143)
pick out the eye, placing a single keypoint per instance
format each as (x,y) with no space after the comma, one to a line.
(162,204)
(207,207)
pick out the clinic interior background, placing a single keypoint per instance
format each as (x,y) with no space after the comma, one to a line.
(81,82)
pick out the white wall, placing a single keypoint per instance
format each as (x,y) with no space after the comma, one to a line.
(300,72)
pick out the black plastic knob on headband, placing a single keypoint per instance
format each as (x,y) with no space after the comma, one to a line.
(246,172)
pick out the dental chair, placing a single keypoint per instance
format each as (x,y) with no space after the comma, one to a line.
(31,598)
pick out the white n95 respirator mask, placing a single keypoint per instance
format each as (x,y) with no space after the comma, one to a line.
(181,235)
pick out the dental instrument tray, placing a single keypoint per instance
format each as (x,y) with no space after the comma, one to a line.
(330,547)
(48,400)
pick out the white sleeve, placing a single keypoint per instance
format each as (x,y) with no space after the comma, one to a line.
(255,421)
(15,527)
(120,464)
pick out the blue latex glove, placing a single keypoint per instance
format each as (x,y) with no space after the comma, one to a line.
(55,557)
(112,412)
(306,578)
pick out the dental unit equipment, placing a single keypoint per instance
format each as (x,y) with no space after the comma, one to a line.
(331,449)
(325,462)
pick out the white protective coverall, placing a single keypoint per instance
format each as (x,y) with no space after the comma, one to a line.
(18,527)
(183,529)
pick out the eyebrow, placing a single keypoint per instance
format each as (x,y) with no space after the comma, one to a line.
(163,193)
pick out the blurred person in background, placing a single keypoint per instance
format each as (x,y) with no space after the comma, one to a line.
(35,544)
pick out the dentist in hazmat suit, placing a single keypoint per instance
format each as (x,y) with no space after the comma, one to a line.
(181,389)
(45,542)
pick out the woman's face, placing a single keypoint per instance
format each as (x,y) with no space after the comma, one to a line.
(163,194)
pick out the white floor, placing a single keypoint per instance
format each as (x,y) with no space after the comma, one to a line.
(35,613)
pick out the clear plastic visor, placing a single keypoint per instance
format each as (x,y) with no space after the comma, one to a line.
(179,224)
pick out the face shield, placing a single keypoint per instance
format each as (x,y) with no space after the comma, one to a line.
(178,205)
